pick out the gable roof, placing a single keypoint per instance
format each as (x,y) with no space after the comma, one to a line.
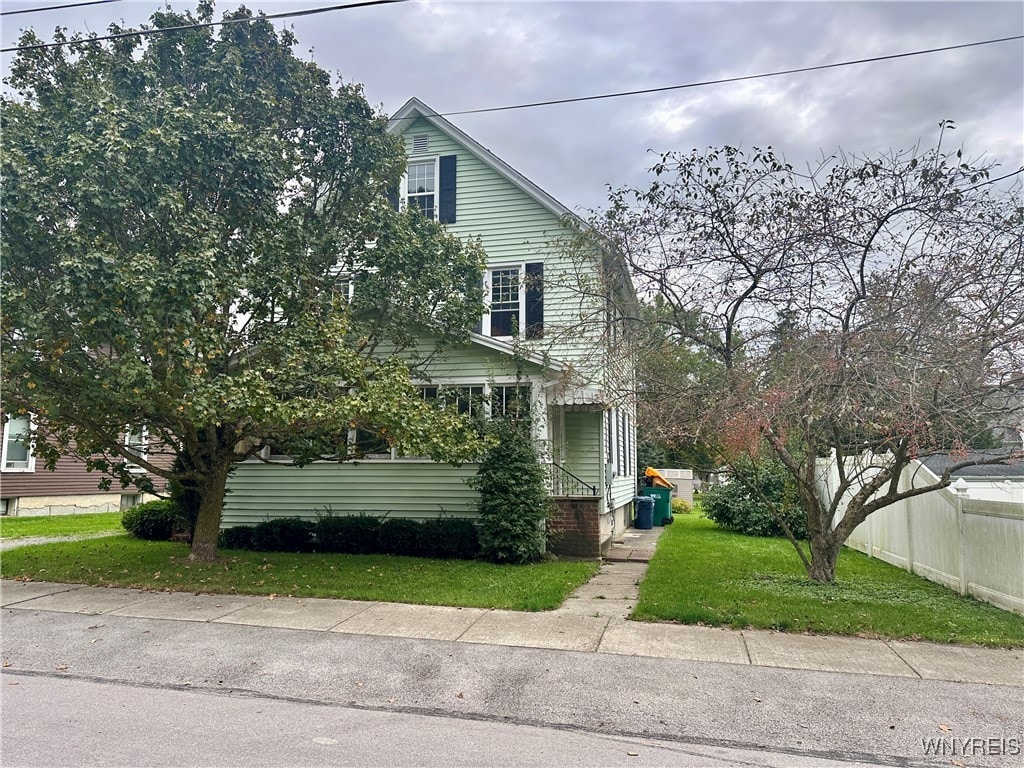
(415,109)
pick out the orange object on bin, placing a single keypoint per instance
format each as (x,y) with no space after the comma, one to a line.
(657,480)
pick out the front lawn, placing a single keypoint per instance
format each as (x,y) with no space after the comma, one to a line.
(702,574)
(123,561)
(60,525)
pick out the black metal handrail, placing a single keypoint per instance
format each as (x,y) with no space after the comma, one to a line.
(565,483)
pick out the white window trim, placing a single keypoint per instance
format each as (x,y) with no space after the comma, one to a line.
(403,202)
(485,327)
(536,390)
(143,454)
(3,451)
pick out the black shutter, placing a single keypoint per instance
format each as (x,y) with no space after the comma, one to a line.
(446,190)
(535,300)
(393,197)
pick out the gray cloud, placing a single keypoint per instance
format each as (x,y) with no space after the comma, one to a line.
(466,55)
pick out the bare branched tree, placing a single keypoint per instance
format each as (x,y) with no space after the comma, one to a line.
(867,312)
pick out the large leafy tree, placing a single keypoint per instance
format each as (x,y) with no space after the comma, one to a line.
(865,313)
(184,218)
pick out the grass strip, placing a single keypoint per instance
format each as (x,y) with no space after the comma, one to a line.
(59,525)
(123,561)
(702,574)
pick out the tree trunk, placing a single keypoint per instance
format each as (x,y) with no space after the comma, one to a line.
(211,503)
(824,555)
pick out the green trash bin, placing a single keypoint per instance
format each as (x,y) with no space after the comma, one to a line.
(662,503)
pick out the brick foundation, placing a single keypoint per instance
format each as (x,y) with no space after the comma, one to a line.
(575,527)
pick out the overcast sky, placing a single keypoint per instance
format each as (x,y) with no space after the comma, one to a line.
(470,55)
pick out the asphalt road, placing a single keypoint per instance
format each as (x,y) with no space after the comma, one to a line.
(105,690)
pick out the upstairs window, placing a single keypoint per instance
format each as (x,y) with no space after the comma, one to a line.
(17,452)
(506,302)
(516,301)
(430,188)
(421,187)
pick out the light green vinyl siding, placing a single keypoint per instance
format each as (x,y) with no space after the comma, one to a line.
(420,490)
(514,228)
(583,446)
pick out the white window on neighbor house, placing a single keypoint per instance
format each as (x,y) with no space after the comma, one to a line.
(136,444)
(421,187)
(17,452)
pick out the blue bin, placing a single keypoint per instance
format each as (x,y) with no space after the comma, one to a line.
(644,507)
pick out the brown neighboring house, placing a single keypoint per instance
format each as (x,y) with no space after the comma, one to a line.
(28,488)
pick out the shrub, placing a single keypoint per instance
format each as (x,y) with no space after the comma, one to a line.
(285,534)
(153,520)
(734,506)
(399,537)
(238,537)
(514,501)
(351,534)
(681,507)
(448,538)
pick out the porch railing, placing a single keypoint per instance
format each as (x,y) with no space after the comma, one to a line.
(565,483)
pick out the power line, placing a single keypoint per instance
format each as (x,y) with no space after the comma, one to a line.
(723,80)
(202,25)
(58,7)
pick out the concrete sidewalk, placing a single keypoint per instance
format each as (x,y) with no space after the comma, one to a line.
(591,621)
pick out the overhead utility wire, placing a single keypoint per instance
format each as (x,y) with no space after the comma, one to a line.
(58,7)
(159,30)
(723,80)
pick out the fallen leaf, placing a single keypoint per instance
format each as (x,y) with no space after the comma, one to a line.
(633,754)
(756,699)
(94,640)
(12,683)
(7,664)
(61,666)
(459,695)
(944,727)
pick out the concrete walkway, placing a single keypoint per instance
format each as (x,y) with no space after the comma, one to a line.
(592,620)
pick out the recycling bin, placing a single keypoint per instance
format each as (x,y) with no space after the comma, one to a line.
(644,509)
(662,503)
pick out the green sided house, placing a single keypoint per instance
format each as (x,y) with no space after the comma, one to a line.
(559,310)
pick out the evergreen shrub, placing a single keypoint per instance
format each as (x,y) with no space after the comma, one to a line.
(735,506)
(347,534)
(514,500)
(450,538)
(285,534)
(398,536)
(153,520)
(238,537)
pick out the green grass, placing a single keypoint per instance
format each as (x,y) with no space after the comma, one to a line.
(702,574)
(59,525)
(123,561)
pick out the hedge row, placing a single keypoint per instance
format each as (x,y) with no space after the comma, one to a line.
(443,538)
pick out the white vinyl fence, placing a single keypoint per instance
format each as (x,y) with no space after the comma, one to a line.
(975,546)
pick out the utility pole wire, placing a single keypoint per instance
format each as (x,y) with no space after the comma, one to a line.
(160,30)
(58,7)
(725,79)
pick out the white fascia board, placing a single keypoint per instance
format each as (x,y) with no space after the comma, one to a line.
(508,349)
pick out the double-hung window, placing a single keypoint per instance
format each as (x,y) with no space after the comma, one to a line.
(421,187)
(17,452)
(515,297)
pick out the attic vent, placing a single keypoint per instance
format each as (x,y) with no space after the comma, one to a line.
(420,144)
